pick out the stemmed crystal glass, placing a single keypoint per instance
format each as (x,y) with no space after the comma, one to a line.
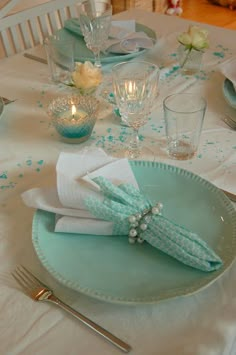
(135,86)
(95,22)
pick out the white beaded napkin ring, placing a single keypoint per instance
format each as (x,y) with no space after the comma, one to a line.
(139,222)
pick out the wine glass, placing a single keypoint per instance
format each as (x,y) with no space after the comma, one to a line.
(95,22)
(135,86)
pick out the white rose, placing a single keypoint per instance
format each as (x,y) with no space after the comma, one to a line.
(196,38)
(199,41)
(195,29)
(86,76)
(185,39)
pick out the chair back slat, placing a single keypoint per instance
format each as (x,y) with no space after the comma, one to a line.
(7,43)
(73,10)
(17,38)
(34,28)
(62,16)
(54,21)
(29,27)
(44,26)
(25,35)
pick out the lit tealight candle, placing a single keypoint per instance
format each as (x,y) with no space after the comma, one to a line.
(74,124)
(74,115)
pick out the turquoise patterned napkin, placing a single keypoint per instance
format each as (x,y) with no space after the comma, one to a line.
(73,25)
(121,202)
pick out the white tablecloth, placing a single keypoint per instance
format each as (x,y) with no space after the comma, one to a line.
(200,324)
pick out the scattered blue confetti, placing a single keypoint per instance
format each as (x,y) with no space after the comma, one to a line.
(3,175)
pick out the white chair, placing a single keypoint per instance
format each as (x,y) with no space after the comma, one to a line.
(26,29)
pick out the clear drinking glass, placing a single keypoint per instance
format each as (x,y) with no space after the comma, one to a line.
(95,22)
(60,58)
(135,87)
(184,115)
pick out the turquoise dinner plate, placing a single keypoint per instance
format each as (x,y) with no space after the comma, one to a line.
(229,93)
(110,269)
(82,53)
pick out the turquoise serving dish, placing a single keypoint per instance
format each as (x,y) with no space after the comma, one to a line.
(111,269)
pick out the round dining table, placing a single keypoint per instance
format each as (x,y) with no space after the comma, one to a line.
(193,321)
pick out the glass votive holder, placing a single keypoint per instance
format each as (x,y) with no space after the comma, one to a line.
(74,117)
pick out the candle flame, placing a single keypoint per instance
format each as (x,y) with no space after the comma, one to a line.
(73,110)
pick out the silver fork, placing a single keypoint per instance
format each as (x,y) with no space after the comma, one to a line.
(40,292)
(229,121)
(7,101)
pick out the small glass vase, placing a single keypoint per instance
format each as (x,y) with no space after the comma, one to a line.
(190,60)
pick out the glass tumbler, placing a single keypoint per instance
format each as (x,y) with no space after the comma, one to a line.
(60,58)
(184,115)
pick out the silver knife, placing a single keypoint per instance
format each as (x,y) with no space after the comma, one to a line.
(34,57)
(6,101)
(42,60)
(230,195)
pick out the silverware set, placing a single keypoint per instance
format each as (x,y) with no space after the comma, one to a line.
(38,291)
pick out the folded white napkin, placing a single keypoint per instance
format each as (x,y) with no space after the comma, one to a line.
(124,39)
(74,183)
(228,69)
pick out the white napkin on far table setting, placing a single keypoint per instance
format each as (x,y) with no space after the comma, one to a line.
(228,69)
(124,39)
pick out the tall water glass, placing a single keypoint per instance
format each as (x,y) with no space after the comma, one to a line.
(60,58)
(135,87)
(95,22)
